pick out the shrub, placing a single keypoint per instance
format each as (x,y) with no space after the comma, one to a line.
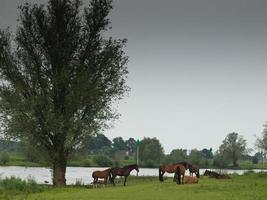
(18,184)
(87,163)
(4,158)
(102,161)
(255,160)
(149,163)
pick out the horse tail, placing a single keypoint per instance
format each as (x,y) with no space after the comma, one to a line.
(178,172)
(160,176)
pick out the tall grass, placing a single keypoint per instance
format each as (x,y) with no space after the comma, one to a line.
(19,185)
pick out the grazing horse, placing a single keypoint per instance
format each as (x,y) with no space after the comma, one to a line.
(194,169)
(190,179)
(176,168)
(101,174)
(125,171)
(216,175)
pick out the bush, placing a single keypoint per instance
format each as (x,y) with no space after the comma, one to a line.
(87,163)
(4,158)
(149,163)
(18,184)
(255,160)
(102,161)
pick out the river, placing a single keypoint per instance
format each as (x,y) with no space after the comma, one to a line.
(82,174)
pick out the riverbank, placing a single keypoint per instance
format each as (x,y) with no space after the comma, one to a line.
(250,186)
(84,174)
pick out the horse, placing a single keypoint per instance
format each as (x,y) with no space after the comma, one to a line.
(101,174)
(185,164)
(190,179)
(125,171)
(216,175)
(194,169)
(176,168)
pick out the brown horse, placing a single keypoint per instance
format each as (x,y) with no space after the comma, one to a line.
(193,169)
(190,179)
(101,174)
(216,175)
(125,171)
(176,168)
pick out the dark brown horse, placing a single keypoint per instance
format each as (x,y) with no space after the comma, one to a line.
(101,174)
(185,164)
(125,171)
(215,175)
(176,168)
(193,169)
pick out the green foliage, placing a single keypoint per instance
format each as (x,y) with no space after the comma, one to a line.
(7,145)
(4,158)
(119,144)
(220,160)
(150,163)
(261,143)
(151,150)
(255,160)
(233,147)
(207,153)
(131,146)
(102,161)
(178,155)
(17,184)
(98,144)
(195,156)
(60,82)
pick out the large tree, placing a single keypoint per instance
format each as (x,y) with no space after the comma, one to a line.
(96,144)
(261,142)
(151,151)
(233,147)
(60,76)
(119,144)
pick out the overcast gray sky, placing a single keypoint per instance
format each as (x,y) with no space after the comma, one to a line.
(198,69)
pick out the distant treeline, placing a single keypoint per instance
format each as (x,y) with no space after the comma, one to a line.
(100,151)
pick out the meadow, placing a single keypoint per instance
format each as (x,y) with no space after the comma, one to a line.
(250,186)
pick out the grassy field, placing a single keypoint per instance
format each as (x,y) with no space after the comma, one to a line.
(247,187)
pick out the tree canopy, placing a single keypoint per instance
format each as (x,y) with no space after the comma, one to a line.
(60,77)
(261,143)
(151,151)
(233,147)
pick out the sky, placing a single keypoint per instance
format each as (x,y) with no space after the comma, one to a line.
(198,69)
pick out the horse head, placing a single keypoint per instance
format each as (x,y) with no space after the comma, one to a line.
(206,173)
(136,168)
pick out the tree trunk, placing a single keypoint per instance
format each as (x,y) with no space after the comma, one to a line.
(59,172)
(234,160)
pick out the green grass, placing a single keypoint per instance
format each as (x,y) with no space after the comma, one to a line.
(247,187)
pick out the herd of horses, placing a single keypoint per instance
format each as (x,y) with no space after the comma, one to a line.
(178,169)
(112,173)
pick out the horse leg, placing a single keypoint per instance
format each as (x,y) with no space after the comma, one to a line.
(178,174)
(125,179)
(160,179)
(105,180)
(161,176)
(113,178)
(175,177)
(95,180)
